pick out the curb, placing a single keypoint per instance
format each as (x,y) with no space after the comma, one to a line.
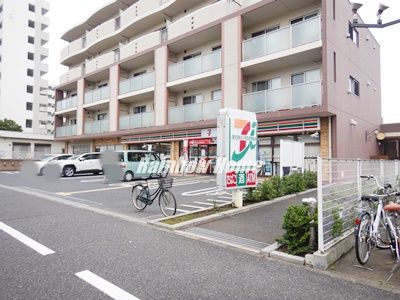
(267,250)
(222,215)
(298,260)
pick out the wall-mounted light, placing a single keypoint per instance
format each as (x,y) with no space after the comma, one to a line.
(353,122)
(369,133)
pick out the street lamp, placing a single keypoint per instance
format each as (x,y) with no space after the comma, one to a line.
(355,6)
(367,134)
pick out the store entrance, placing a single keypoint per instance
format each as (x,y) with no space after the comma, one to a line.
(204,149)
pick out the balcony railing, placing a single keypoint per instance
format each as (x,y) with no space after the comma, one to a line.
(194,112)
(140,44)
(136,83)
(289,37)
(69,130)
(97,95)
(296,96)
(72,74)
(136,121)
(194,66)
(66,103)
(97,126)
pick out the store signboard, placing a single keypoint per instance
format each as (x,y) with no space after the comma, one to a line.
(236,149)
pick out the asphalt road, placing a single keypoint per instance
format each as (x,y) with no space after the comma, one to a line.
(91,254)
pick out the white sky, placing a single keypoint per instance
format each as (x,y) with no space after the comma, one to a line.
(66,13)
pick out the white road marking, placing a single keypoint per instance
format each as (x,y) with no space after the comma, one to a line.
(43,250)
(192,206)
(179,210)
(224,197)
(90,191)
(202,191)
(92,180)
(204,203)
(10,173)
(106,287)
(218,201)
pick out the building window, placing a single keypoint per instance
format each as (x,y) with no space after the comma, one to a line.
(353,35)
(102,116)
(354,86)
(192,99)
(191,56)
(1,8)
(44,11)
(139,73)
(334,66)
(29,72)
(263,85)
(28,123)
(31,24)
(334,9)
(216,48)
(29,89)
(31,40)
(42,107)
(72,122)
(265,31)
(31,7)
(304,18)
(31,56)
(29,105)
(216,95)
(139,109)
(305,77)
(42,124)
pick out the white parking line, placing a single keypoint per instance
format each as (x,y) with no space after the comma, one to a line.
(92,180)
(192,206)
(106,287)
(43,250)
(202,191)
(224,197)
(204,203)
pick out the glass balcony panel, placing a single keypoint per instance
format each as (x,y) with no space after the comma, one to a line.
(148,119)
(96,95)
(254,102)
(124,87)
(306,95)
(255,47)
(306,32)
(105,92)
(74,130)
(136,121)
(136,83)
(175,72)
(124,122)
(192,66)
(277,40)
(211,109)
(148,80)
(192,112)
(176,115)
(211,61)
(278,99)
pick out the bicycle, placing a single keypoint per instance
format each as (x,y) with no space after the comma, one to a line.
(142,197)
(377,228)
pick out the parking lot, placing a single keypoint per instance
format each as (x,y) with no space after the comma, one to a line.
(191,192)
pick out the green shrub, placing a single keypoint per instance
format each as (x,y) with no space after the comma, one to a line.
(293,183)
(297,225)
(266,191)
(251,195)
(337,226)
(276,183)
(310,179)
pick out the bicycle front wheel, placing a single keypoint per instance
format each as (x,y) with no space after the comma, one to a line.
(362,244)
(167,203)
(140,191)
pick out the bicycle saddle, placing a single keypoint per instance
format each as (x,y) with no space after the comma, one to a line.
(392,207)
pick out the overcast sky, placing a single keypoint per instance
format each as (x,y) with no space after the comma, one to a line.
(64,14)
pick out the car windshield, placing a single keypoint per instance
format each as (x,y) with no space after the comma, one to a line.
(73,157)
(47,158)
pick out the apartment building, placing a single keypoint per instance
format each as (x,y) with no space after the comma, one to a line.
(23,89)
(156,72)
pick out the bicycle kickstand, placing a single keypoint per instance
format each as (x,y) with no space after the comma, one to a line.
(394,270)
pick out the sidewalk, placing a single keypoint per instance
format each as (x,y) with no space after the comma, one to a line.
(262,225)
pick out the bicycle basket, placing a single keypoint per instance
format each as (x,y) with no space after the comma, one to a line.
(166,183)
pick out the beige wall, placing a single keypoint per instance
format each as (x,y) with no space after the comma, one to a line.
(363,63)
(161,92)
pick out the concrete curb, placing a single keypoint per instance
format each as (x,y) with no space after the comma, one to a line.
(267,250)
(219,216)
(298,260)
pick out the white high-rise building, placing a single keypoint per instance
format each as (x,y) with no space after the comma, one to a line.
(24,91)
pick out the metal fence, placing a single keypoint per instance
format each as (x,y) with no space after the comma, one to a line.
(339,190)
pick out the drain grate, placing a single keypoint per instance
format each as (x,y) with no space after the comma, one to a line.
(227,238)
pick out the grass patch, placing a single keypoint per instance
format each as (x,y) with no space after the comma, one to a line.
(196,215)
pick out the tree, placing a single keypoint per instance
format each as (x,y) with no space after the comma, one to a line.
(10,125)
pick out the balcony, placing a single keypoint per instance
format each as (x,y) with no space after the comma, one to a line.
(97,95)
(100,32)
(100,62)
(137,83)
(71,48)
(66,103)
(97,126)
(69,130)
(71,75)
(141,44)
(197,19)
(195,66)
(283,39)
(297,96)
(136,121)
(139,10)
(194,112)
